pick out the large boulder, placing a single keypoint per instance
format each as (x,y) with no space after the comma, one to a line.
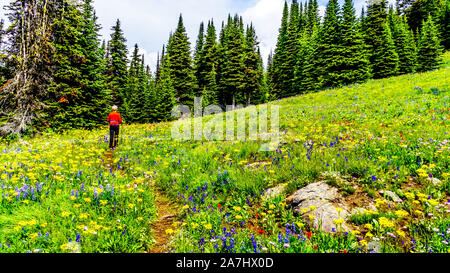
(324,201)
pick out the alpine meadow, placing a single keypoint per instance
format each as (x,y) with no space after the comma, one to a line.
(335,142)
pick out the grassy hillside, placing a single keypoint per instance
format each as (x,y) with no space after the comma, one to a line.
(63,193)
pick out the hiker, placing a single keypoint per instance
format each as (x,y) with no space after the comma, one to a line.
(114,120)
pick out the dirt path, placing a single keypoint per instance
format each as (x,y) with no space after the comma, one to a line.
(108,162)
(166,211)
(166,215)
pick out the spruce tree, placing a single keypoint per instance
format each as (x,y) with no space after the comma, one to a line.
(135,89)
(209,96)
(96,96)
(280,56)
(429,50)
(306,75)
(198,54)
(269,76)
(286,75)
(385,58)
(165,91)
(117,65)
(179,65)
(159,64)
(209,56)
(328,59)
(253,75)
(231,70)
(150,99)
(313,18)
(355,66)
(65,101)
(374,25)
(405,46)
(445,26)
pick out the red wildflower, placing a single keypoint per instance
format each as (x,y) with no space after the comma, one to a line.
(309,234)
(261,232)
(219,206)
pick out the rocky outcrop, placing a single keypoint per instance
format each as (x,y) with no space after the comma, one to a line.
(318,204)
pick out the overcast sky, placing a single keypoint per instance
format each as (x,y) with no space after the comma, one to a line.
(149,22)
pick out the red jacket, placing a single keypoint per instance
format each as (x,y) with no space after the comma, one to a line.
(114,118)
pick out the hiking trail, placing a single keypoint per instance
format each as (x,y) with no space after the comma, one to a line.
(166,211)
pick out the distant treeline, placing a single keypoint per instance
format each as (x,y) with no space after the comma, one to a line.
(56,73)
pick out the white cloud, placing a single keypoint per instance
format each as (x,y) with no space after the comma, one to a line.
(149,22)
(266,17)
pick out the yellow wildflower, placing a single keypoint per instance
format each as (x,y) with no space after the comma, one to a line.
(65,214)
(368,226)
(401,213)
(169,231)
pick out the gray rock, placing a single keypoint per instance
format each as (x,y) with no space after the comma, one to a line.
(436,182)
(74,247)
(324,198)
(374,247)
(394,197)
(274,192)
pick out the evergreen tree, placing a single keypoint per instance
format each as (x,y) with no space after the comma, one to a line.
(374,25)
(209,96)
(253,75)
(231,71)
(78,89)
(150,99)
(286,77)
(306,75)
(208,58)
(280,56)
(65,101)
(313,18)
(405,46)
(158,64)
(355,66)
(135,90)
(179,65)
(445,26)
(31,54)
(96,96)
(419,11)
(198,54)
(165,96)
(328,59)
(385,58)
(269,76)
(117,71)
(429,51)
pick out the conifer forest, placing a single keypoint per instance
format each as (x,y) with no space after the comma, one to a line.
(358,103)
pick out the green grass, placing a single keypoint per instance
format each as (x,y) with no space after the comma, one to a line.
(384,134)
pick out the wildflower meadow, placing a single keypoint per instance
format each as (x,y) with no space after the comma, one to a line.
(66,193)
